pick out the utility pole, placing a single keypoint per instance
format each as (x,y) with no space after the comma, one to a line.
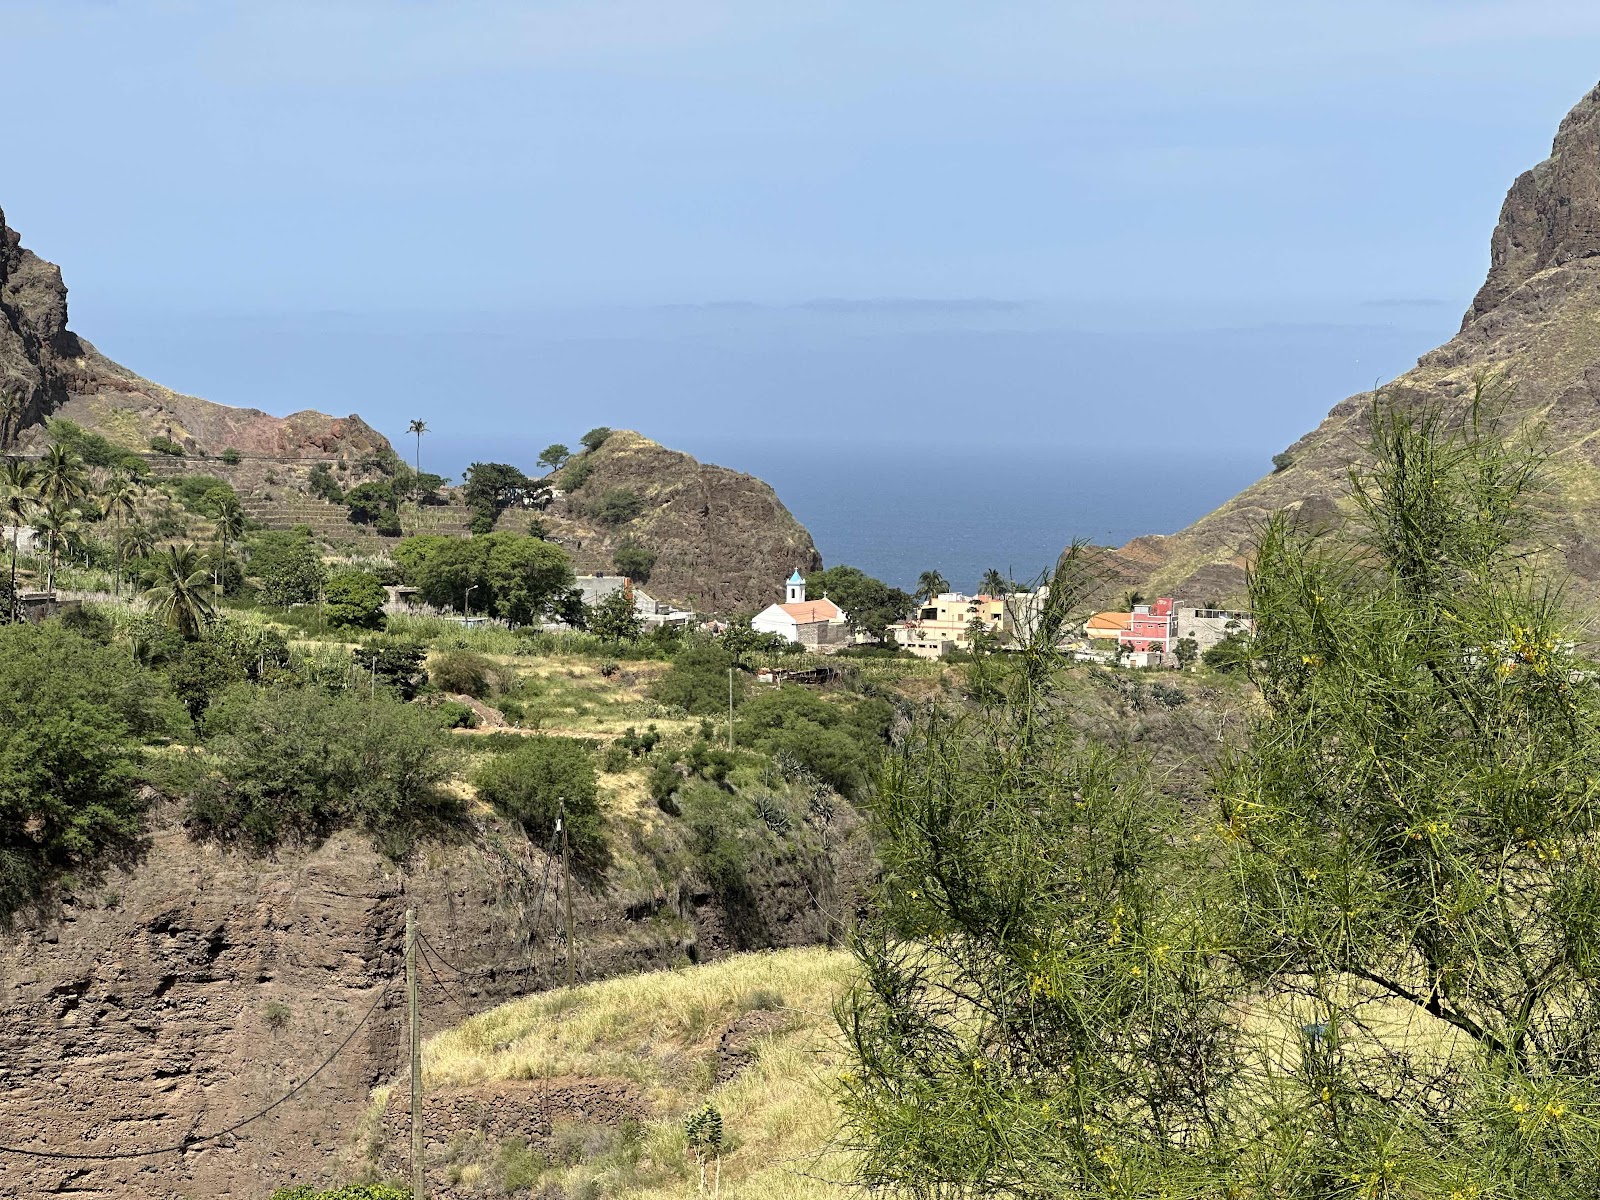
(730,708)
(417,1184)
(566,876)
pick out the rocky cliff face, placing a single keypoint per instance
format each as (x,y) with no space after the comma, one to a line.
(723,541)
(188,992)
(56,373)
(1535,324)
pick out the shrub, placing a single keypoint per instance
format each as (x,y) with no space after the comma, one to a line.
(166,446)
(615,759)
(393,663)
(321,483)
(289,567)
(697,681)
(350,1191)
(529,784)
(462,672)
(72,716)
(634,561)
(287,764)
(614,618)
(456,715)
(617,506)
(232,457)
(576,474)
(195,493)
(355,600)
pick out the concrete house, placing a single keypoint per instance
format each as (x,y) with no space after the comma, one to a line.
(815,623)
(944,623)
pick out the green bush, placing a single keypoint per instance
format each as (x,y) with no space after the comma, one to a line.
(350,1191)
(576,474)
(530,783)
(355,600)
(166,446)
(697,681)
(596,437)
(392,663)
(231,456)
(456,715)
(617,506)
(289,567)
(194,493)
(72,717)
(297,764)
(634,561)
(94,449)
(462,672)
(837,742)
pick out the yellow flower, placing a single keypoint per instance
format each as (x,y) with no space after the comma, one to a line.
(1135,972)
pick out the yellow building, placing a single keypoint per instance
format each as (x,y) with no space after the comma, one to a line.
(945,622)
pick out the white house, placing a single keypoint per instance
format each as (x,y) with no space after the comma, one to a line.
(806,622)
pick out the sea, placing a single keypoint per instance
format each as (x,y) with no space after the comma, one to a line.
(895,515)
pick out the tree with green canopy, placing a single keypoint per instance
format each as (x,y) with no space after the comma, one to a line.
(869,604)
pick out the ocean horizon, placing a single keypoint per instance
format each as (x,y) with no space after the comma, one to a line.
(897,514)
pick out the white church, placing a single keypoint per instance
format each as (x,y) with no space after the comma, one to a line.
(806,622)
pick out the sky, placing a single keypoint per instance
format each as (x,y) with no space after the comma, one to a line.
(752,228)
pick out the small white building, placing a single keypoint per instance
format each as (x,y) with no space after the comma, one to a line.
(804,622)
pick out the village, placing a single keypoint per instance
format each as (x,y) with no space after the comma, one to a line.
(1162,633)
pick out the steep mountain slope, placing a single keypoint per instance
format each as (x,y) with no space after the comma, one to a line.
(54,372)
(1535,325)
(723,540)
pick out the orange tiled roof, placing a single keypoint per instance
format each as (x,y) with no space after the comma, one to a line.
(812,611)
(1110,622)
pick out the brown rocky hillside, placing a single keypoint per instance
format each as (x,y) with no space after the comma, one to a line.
(56,373)
(723,540)
(1535,324)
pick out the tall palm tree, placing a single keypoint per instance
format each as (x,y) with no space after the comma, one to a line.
(418,428)
(994,583)
(62,478)
(60,524)
(18,495)
(931,584)
(119,499)
(229,523)
(180,594)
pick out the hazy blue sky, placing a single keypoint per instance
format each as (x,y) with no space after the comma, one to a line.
(743,222)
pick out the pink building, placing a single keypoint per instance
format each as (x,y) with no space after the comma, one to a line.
(1153,627)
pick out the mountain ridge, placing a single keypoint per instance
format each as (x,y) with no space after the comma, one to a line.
(1534,327)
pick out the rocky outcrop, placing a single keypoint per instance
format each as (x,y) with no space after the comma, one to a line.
(723,540)
(188,992)
(57,373)
(1532,329)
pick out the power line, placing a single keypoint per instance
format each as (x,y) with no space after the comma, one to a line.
(189,1143)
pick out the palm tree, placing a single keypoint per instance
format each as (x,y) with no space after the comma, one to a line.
(17,498)
(62,479)
(1130,598)
(229,523)
(12,401)
(994,583)
(931,584)
(179,594)
(137,542)
(119,499)
(60,524)
(419,428)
